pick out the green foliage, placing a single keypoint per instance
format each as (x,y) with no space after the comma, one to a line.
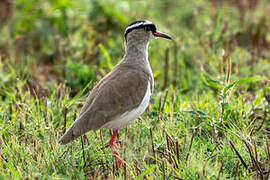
(77,73)
(217,92)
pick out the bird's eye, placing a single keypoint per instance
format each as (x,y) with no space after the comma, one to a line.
(147,28)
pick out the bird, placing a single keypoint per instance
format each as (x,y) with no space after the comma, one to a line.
(124,93)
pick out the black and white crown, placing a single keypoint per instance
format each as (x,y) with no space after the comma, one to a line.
(139,25)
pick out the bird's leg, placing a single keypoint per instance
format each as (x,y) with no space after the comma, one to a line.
(114,147)
(112,141)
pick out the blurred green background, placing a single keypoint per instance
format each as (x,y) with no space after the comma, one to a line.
(80,41)
(51,49)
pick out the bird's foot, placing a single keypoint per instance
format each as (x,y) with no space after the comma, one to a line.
(119,161)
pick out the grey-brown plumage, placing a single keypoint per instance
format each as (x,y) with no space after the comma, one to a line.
(116,94)
(121,91)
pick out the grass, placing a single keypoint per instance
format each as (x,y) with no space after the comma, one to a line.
(209,114)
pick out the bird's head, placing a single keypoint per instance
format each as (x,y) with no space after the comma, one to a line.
(143,32)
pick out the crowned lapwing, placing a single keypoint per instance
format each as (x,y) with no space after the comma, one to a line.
(124,93)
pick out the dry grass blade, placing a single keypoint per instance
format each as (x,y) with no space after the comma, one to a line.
(169,144)
(261,124)
(253,160)
(255,149)
(220,170)
(193,108)
(190,145)
(267,148)
(32,89)
(175,177)
(138,170)
(4,158)
(185,141)
(238,154)
(163,170)
(46,110)
(268,156)
(177,150)
(153,147)
(228,70)
(62,155)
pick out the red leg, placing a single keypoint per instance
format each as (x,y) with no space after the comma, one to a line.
(113,138)
(113,146)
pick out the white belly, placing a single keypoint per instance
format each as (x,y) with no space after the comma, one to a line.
(128,117)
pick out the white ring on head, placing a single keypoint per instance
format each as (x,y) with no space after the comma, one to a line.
(138,24)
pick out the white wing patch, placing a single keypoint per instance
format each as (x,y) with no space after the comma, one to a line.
(128,117)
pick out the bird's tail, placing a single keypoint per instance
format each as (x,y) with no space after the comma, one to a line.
(68,136)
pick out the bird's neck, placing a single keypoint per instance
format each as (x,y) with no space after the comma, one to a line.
(136,52)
